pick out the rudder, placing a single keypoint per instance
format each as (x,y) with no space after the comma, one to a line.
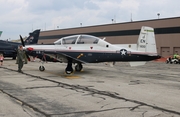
(33,37)
(146,41)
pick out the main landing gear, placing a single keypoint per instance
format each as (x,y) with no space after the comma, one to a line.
(69,68)
(78,67)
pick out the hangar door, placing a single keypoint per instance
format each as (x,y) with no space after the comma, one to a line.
(176,50)
(165,51)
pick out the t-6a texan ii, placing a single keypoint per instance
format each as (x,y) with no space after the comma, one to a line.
(81,49)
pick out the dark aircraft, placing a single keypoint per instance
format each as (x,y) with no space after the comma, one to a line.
(8,48)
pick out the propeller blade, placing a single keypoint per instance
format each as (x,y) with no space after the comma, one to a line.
(22,41)
(28,57)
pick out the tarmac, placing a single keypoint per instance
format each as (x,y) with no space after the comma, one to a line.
(100,90)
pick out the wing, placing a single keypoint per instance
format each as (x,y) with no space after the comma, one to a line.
(62,57)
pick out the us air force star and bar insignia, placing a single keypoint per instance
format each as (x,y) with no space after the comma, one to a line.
(123,51)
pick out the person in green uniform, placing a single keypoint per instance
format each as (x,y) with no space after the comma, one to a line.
(20,58)
(175,55)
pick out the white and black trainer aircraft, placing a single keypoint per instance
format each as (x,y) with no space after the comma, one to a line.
(81,49)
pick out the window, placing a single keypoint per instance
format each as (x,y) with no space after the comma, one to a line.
(69,40)
(87,39)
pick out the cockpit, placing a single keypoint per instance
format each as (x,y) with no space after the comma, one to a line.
(77,39)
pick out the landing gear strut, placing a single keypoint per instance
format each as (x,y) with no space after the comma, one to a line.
(69,68)
(41,68)
(78,67)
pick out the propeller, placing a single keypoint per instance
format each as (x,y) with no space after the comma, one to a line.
(22,42)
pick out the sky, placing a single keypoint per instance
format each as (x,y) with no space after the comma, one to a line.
(19,17)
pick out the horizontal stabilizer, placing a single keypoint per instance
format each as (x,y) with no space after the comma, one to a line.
(137,63)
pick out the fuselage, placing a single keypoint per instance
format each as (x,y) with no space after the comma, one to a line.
(101,51)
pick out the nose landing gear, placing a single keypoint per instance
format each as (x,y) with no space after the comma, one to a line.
(41,68)
(69,68)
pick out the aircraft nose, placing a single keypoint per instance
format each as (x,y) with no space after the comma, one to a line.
(30,49)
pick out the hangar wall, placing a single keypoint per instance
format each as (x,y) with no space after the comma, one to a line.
(167,33)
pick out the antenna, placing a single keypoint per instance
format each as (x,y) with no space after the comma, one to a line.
(158,15)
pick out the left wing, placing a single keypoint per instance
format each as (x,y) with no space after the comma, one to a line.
(62,57)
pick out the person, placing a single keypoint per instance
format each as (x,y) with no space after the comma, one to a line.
(1,59)
(20,58)
(176,56)
(25,58)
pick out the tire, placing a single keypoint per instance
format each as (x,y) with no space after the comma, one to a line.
(78,67)
(41,68)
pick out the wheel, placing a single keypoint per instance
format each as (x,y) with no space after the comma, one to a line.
(175,62)
(69,68)
(78,67)
(41,68)
(70,71)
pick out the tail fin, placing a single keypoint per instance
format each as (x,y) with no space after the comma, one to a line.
(146,41)
(0,33)
(33,37)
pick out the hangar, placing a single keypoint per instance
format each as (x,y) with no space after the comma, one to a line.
(167,33)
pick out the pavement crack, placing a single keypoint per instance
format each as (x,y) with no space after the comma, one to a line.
(143,114)
(26,111)
(41,87)
(26,104)
(132,109)
(104,105)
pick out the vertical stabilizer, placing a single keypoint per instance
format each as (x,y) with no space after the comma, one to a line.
(33,37)
(146,41)
(0,33)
